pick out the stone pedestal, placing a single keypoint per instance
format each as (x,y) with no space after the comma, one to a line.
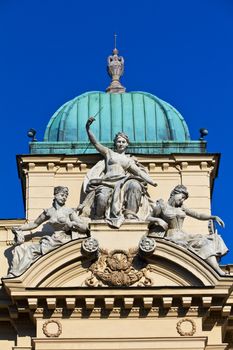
(127,236)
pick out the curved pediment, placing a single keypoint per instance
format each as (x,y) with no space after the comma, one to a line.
(66,267)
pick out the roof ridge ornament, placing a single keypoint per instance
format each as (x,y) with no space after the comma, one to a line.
(115,70)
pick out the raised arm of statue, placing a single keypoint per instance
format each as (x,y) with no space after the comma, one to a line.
(100,148)
(201,216)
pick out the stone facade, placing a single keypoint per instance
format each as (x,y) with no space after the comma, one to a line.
(188,305)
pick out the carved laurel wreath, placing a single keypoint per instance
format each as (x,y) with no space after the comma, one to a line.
(179,327)
(47,333)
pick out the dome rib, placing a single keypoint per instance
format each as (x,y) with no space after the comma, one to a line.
(54,119)
(145,121)
(63,123)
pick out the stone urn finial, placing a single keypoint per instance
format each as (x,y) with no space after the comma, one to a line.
(115,71)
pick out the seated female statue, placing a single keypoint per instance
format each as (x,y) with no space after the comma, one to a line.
(170,216)
(116,186)
(62,220)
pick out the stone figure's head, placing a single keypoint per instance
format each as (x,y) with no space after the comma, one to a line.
(121,142)
(60,194)
(178,195)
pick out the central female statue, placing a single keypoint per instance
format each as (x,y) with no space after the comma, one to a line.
(116,186)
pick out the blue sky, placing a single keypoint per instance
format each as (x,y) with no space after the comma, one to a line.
(54,50)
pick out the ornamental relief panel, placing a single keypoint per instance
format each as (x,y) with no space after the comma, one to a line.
(119,268)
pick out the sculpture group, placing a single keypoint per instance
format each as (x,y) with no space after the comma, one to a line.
(116,190)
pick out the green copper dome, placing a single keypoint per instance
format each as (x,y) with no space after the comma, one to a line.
(153,126)
(142,116)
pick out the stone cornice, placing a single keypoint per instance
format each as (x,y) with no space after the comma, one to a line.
(65,164)
(41,295)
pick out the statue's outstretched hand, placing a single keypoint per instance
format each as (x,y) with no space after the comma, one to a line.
(19,236)
(90,120)
(219,221)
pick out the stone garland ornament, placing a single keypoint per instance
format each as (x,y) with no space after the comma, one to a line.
(119,268)
(181,327)
(48,332)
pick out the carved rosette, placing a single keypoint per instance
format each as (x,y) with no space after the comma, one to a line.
(90,246)
(119,268)
(147,245)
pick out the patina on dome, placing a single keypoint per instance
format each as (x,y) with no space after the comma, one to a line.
(142,116)
(153,125)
